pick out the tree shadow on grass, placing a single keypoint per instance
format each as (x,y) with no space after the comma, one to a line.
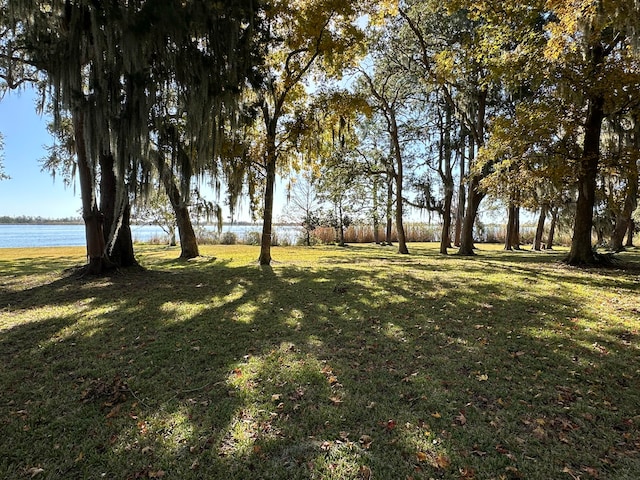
(246,372)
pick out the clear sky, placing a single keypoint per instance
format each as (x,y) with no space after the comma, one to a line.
(34,193)
(30,191)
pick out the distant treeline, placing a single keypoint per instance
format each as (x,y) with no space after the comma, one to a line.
(23,220)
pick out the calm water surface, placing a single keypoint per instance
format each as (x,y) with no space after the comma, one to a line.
(12,236)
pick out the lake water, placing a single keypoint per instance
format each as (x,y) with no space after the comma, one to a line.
(73,235)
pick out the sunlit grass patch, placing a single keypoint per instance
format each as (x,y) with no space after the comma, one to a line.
(333,362)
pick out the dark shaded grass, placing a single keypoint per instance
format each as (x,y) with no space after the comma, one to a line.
(329,364)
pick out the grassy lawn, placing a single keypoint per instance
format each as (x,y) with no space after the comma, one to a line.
(354,363)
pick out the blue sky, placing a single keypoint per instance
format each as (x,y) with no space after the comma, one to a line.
(34,193)
(30,191)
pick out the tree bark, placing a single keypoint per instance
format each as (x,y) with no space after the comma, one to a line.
(475,197)
(446,175)
(623,219)
(267,219)
(116,217)
(340,231)
(93,221)
(445,238)
(630,231)
(537,241)
(581,252)
(462,200)
(375,219)
(515,234)
(552,228)
(188,241)
(399,180)
(389,229)
(511,218)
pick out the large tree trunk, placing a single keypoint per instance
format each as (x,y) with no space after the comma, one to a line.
(93,221)
(623,219)
(188,241)
(116,217)
(552,228)
(475,197)
(630,231)
(267,219)
(581,252)
(509,239)
(121,252)
(537,241)
(515,234)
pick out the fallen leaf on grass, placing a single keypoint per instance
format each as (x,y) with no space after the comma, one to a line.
(515,473)
(157,474)
(422,457)
(539,433)
(442,461)
(467,473)
(365,441)
(33,471)
(591,471)
(114,411)
(461,419)
(365,473)
(569,472)
(482,378)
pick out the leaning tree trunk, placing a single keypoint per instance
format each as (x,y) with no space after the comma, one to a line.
(581,252)
(537,241)
(93,221)
(116,217)
(188,241)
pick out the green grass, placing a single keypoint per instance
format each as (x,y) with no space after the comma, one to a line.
(332,364)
